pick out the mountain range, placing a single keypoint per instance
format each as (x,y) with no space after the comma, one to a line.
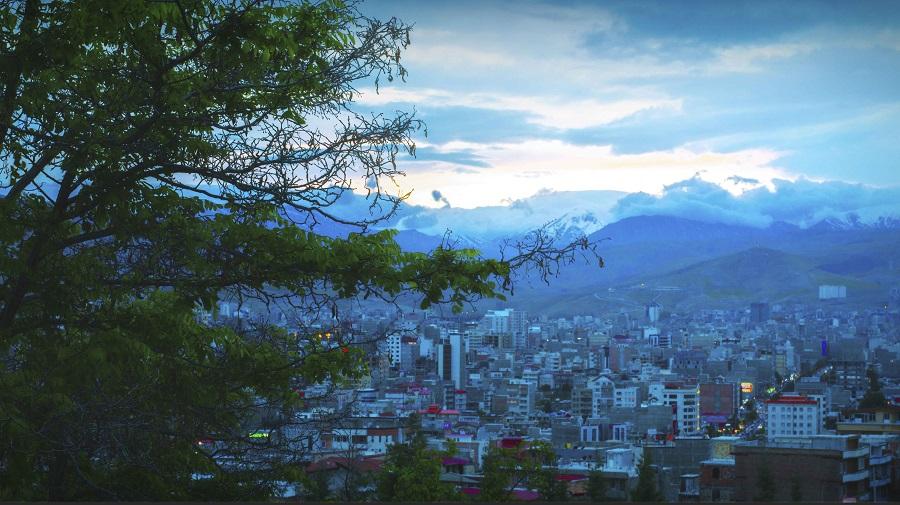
(680,262)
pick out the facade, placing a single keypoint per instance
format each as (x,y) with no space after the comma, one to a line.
(685,402)
(718,403)
(792,416)
(451,360)
(394,346)
(625,396)
(822,468)
(603,393)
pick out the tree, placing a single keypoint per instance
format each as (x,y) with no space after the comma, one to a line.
(412,472)
(530,465)
(765,485)
(596,486)
(316,487)
(156,158)
(646,490)
(874,397)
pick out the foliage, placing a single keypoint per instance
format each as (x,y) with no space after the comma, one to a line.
(596,486)
(874,397)
(646,490)
(316,487)
(531,466)
(156,157)
(412,472)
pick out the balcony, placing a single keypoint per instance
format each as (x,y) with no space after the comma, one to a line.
(856,476)
(879,482)
(856,453)
(880,460)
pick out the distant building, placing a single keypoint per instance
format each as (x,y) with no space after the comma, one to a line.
(451,360)
(828,292)
(759,313)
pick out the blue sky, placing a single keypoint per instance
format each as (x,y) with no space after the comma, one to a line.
(637,95)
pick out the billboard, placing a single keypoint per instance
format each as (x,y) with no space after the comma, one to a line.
(746,387)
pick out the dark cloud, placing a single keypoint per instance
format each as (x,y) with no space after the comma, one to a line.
(737,179)
(438,197)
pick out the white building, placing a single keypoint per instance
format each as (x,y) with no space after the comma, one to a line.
(828,292)
(686,401)
(792,416)
(625,396)
(507,322)
(394,348)
(603,391)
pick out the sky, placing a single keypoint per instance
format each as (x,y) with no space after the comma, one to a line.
(528,97)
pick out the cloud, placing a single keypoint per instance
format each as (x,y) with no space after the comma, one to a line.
(438,197)
(518,170)
(802,202)
(550,112)
(750,58)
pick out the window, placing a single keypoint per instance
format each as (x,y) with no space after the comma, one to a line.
(715,473)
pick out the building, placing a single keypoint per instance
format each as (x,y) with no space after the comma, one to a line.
(875,421)
(508,322)
(394,346)
(718,403)
(685,402)
(625,396)
(717,474)
(828,292)
(451,360)
(603,394)
(759,313)
(881,464)
(792,416)
(824,468)
(409,353)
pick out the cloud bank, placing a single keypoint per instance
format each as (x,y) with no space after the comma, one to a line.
(802,202)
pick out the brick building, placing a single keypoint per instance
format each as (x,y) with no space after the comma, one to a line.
(828,468)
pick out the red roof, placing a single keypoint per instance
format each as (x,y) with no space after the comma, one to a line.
(510,442)
(792,400)
(435,410)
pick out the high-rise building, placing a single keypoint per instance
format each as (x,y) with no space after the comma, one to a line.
(393,347)
(451,360)
(685,402)
(759,313)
